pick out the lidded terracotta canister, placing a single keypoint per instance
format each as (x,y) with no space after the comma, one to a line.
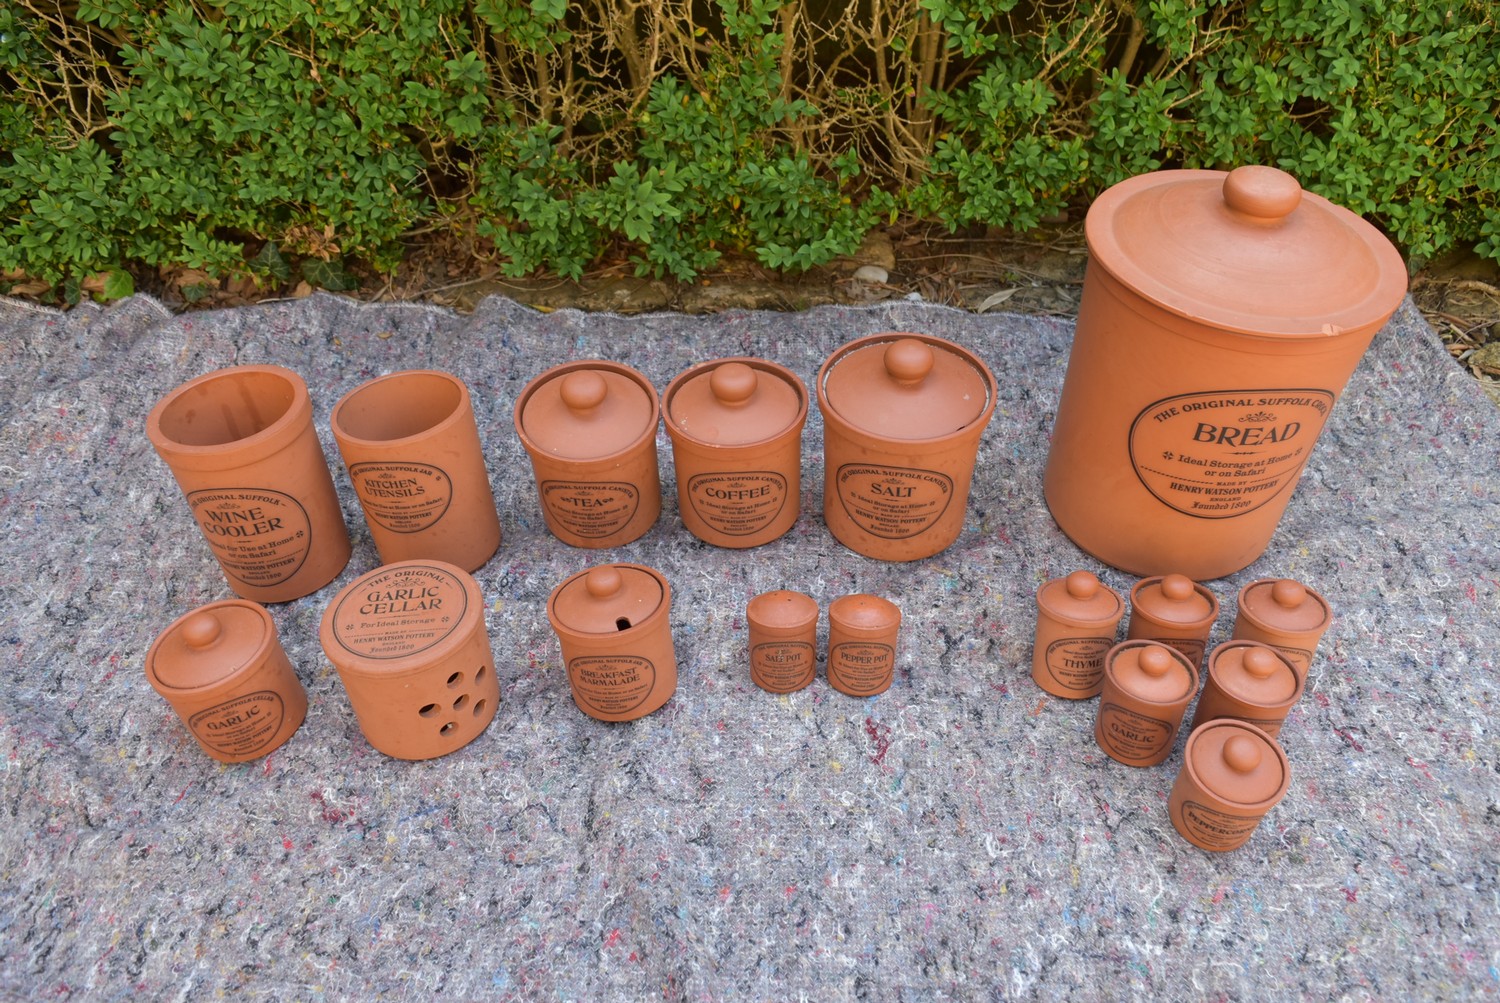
(1175,610)
(902,418)
(1286,615)
(222,668)
(1146,692)
(412,449)
(1248,681)
(1222,315)
(1232,775)
(1076,620)
(590,429)
(783,640)
(736,429)
(241,444)
(410,645)
(614,625)
(863,634)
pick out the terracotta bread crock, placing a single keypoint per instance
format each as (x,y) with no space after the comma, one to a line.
(1175,610)
(1222,315)
(1248,681)
(736,429)
(1286,615)
(410,645)
(590,429)
(1077,618)
(222,668)
(614,625)
(1147,689)
(412,450)
(902,418)
(783,640)
(241,444)
(863,637)
(1232,775)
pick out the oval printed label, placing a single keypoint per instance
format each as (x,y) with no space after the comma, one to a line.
(402,497)
(1217,828)
(242,726)
(612,684)
(395,613)
(1129,735)
(893,503)
(738,504)
(592,510)
(260,536)
(1077,663)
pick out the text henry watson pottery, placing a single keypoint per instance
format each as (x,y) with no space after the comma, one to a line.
(590,429)
(736,429)
(902,419)
(613,623)
(412,450)
(1232,775)
(1077,617)
(1222,315)
(241,444)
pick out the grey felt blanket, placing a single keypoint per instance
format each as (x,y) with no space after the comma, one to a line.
(959,837)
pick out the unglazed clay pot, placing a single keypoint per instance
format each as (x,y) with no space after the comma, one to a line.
(1175,610)
(1232,775)
(614,625)
(410,645)
(1248,681)
(1286,615)
(1147,689)
(863,637)
(783,640)
(902,419)
(736,429)
(1076,620)
(590,429)
(1222,315)
(412,450)
(241,444)
(222,668)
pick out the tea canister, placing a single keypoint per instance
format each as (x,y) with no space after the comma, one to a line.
(902,418)
(1232,775)
(1286,615)
(1222,315)
(1146,692)
(613,623)
(590,430)
(1175,610)
(1076,620)
(736,430)
(1249,681)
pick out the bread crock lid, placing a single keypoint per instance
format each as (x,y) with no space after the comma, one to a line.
(1247,251)
(1175,600)
(1253,673)
(210,644)
(905,386)
(402,617)
(1080,599)
(608,599)
(586,411)
(1282,604)
(734,402)
(1238,762)
(1155,673)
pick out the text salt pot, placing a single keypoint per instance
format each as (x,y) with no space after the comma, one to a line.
(783,640)
(1286,615)
(1232,775)
(1175,610)
(1146,692)
(1248,681)
(1077,618)
(613,623)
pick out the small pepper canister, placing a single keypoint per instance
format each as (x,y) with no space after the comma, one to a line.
(1077,617)
(863,631)
(614,625)
(1249,681)
(241,444)
(736,430)
(222,668)
(1232,775)
(1147,689)
(1173,609)
(410,645)
(1286,615)
(412,449)
(590,429)
(783,640)
(902,418)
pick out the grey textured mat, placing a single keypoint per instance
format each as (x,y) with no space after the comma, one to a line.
(960,837)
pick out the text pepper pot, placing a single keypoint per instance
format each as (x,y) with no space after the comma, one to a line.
(736,429)
(241,444)
(590,429)
(902,418)
(1222,315)
(614,625)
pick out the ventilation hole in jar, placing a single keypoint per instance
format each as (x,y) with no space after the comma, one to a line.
(455,679)
(479,673)
(461,702)
(448,728)
(622,623)
(479,706)
(428,710)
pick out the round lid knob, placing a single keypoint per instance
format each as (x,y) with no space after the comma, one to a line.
(201,629)
(586,411)
(908,361)
(1081,600)
(1155,662)
(1082,584)
(735,402)
(903,387)
(733,382)
(1260,663)
(1263,193)
(1242,754)
(1177,588)
(1288,594)
(583,390)
(603,582)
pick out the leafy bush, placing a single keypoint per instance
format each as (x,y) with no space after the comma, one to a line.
(226,135)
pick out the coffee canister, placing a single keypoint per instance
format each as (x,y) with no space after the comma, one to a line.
(783,640)
(614,625)
(1232,775)
(1146,692)
(1222,315)
(1248,681)
(736,430)
(241,444)
(1286,615)
(222,668)
(1175,610)
(1076,620)
(590,430)
(902,418)
(410,645)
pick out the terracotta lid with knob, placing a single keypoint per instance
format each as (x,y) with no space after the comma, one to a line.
(907,388)
(211,644)
(1253,673)
(1238,763)
(1282,604)
(1174,600)
(734,402)
(1248,251)
(1154,673)
(607,600)
(588,412)
(1080,600)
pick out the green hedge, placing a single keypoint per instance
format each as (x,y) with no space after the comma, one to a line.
(236,136)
